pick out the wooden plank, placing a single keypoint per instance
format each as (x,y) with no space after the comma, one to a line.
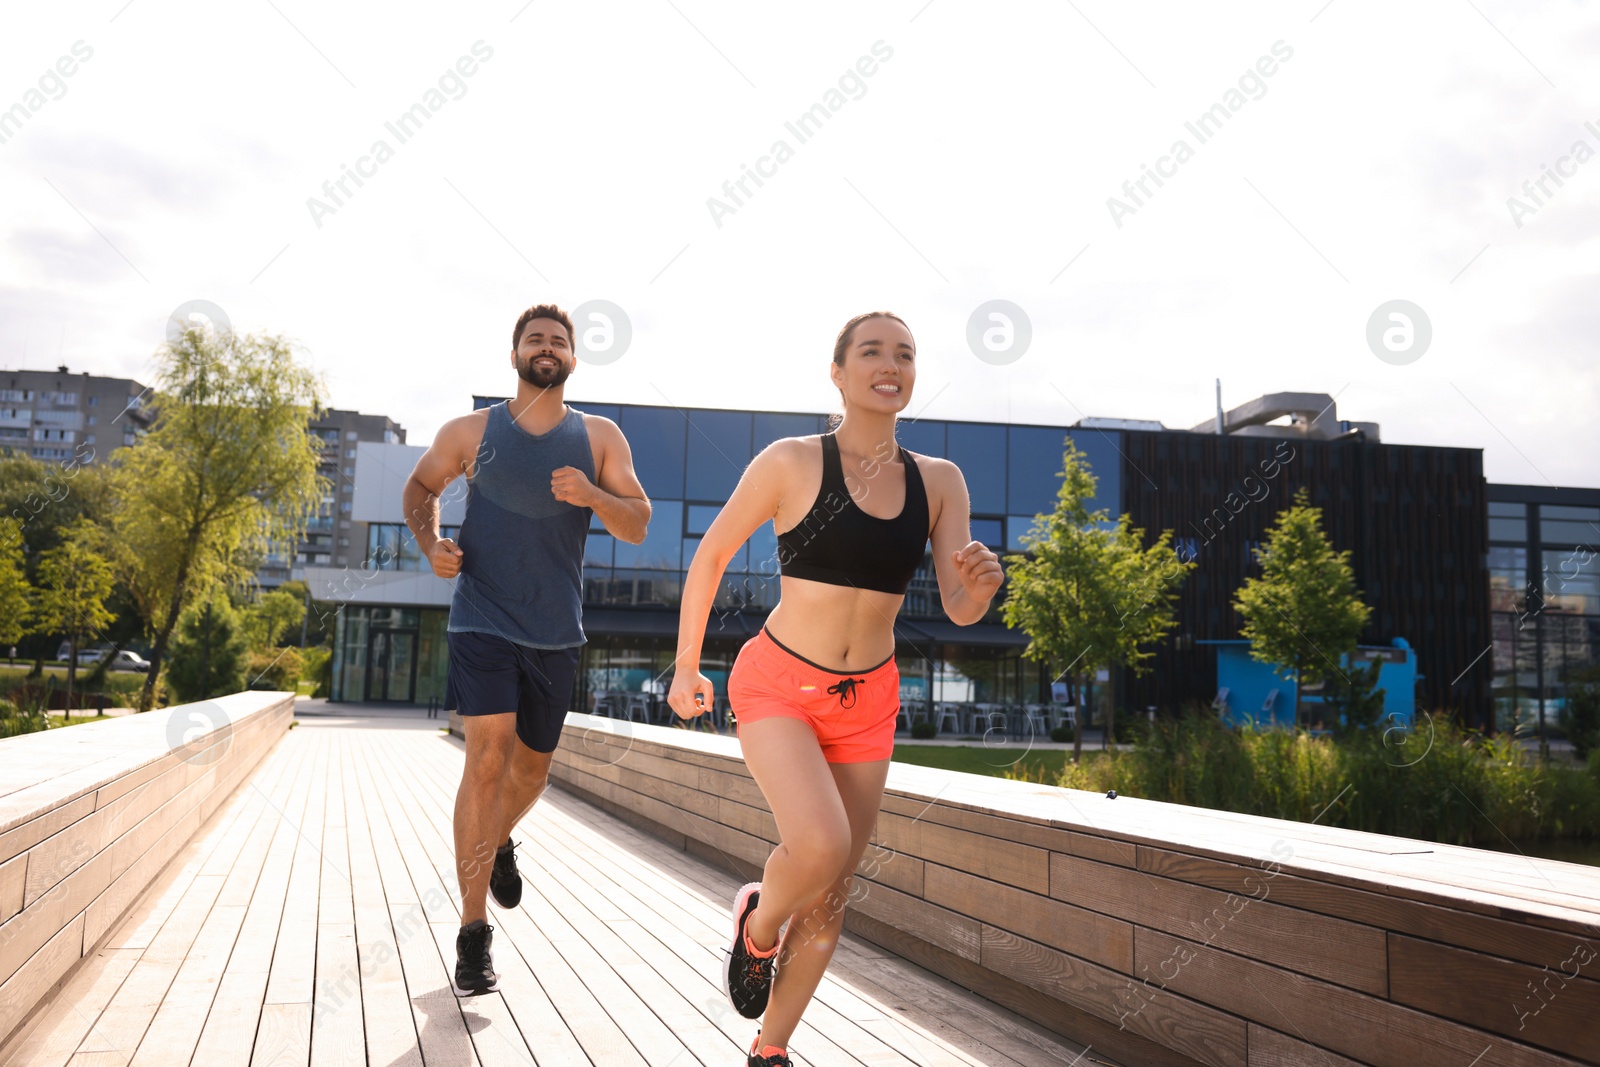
(336,1021)
(390,1030)
(1269,1048)
(229,1035)
(46,967)
(1314,944)
(1023,866)
(1179,1023)
(175,1028)
(1553,1007)
(53,1036)
(1080,932)
(1514,940)
(1323,1014)
(283,1038)
(30,832)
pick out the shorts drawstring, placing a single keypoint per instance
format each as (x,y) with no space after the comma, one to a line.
(846,690)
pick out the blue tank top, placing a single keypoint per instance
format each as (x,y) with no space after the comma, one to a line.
(521,548)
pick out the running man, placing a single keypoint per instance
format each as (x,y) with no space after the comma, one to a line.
(536,470)
(817,691)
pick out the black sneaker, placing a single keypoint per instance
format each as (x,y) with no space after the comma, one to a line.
(474,966)
(770,1056)
(747,978)
(505,883)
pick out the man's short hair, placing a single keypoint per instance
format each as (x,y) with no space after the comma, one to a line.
(540,311)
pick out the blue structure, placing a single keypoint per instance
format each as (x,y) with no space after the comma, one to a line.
(1249,691)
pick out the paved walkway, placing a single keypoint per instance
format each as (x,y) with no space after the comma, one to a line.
(313,921)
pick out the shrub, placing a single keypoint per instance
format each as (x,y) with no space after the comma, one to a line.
(279,669)
(1580,716)
(1061,733)
(23,720)
(1438,781)
(317,665)
(208,653)
(922,729)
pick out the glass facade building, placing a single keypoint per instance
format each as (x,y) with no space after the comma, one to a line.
(689,462)
(1457,567)
(1544,593)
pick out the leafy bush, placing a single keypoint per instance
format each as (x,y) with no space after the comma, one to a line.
(24,720)
(208,652)
(922,729)
(1437,781)
(1061,733)
(279,669)
(1580,717)
(317,664)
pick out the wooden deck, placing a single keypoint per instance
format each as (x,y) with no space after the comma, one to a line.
(313,921)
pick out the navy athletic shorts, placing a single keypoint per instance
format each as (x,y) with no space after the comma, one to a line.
(490,675)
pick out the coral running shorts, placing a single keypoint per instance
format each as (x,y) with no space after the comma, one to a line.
(852,713)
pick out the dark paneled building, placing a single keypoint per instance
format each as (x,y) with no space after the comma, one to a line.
(1411,516)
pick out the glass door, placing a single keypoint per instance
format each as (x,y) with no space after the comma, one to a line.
(391,665)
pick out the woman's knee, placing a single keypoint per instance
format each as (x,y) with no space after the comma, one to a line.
(822,850)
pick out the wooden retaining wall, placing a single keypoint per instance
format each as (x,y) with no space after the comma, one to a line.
(91,814)
(1167,935)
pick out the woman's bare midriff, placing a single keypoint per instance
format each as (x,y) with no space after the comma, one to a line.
(835,626)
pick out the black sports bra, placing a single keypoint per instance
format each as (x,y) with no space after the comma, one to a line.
(840,544)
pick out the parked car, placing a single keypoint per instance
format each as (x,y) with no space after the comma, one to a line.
(124,660)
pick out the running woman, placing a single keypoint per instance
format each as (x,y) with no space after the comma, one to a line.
(816,692)
(536,470)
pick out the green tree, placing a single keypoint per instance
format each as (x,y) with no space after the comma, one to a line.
(271,617)
(209,652)
(73,583)
(228,468)
(1303,614)
(1089,594)
(16,601)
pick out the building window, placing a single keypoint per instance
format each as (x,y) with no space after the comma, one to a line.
(1508,577)
(987,530)
(718,452)
(351,435)
(981,451)
(344,507)
(1559,525)
(349,472)
(349,453)
(93,419)
(94,402)
(390,547)
(657,437)
(1508,522)
(1571,581)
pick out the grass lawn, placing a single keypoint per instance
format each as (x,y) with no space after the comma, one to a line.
(995,762)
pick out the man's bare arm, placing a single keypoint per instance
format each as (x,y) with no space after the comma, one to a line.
(449,457)
(619,500)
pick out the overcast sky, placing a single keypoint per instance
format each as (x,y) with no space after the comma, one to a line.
(1359,152)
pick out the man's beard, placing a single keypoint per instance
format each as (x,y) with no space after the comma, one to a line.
(540,377)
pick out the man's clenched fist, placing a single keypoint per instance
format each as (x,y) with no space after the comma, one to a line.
(445,559)
(571,486)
